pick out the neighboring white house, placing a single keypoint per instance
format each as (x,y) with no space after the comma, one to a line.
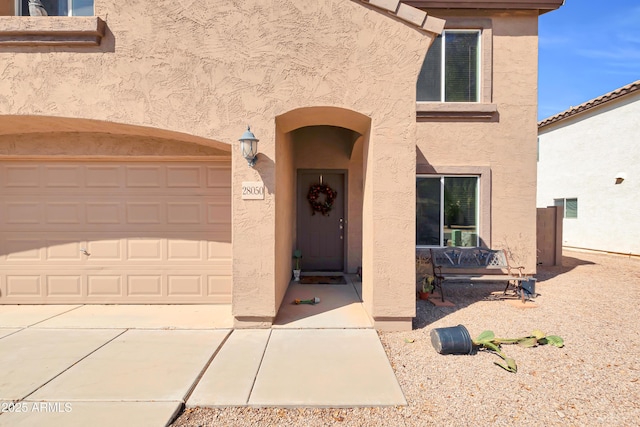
(589,162)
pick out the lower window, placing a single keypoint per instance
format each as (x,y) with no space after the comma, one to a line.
(569,207)
(59,7)
(447,210)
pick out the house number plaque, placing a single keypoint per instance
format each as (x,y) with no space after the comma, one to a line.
(253,190)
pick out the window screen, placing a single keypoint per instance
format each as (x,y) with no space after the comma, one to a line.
(451,69)
(569,207)
(447,211)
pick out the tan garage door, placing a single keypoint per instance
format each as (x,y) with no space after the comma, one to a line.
(115,232)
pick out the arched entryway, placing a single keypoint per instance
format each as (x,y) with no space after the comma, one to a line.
(319,146)
(325,172)
(321,143)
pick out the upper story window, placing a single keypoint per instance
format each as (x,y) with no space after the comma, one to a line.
(56,7)
(451,69)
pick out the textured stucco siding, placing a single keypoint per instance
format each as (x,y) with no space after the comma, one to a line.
(506,143)
(210,72)
(580,158)
(202,71)
(285,216)
(6,8)
(83,145)
(207,74)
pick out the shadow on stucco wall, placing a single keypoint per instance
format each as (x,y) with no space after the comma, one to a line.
(264,166)
(421,160)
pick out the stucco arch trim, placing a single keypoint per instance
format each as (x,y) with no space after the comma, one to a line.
(330,116)
(33,125)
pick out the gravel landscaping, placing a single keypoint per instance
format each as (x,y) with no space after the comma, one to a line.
(592,301)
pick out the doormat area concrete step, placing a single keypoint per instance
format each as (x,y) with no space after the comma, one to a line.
(323,280)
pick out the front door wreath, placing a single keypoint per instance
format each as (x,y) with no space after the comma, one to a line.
(318,204)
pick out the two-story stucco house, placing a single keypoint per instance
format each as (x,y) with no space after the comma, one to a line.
(122,180)
(588,164)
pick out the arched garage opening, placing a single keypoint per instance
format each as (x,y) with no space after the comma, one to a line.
(99,212)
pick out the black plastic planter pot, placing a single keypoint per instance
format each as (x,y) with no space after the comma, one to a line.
(529,287)
(453,340)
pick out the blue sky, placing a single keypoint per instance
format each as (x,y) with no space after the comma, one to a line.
(587,48)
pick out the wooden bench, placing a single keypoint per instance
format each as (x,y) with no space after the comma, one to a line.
(473,264)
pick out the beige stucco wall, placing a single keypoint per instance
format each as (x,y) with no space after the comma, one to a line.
(318,147)
(92,145)
(506,143)
(356,185)
(285,215)
(209,74)
(6,8)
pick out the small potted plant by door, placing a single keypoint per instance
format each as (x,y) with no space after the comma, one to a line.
(297,254)
(427,287)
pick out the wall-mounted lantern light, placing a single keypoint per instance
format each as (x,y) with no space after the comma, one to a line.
(249,146)
(620,176)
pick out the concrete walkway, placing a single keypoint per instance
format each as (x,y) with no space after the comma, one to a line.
(140,365)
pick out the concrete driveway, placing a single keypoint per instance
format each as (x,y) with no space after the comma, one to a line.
(140,365)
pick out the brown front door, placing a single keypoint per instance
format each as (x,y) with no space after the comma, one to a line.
(321,237)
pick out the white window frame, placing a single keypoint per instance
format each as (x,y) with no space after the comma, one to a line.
(442,219)
(18,7)
(562,201)
(443,61)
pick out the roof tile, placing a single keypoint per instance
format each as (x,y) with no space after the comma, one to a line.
(596,102)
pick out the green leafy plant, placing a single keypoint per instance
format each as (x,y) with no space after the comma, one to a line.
(488,340)
(427,284)
(452,212)
(297,254)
